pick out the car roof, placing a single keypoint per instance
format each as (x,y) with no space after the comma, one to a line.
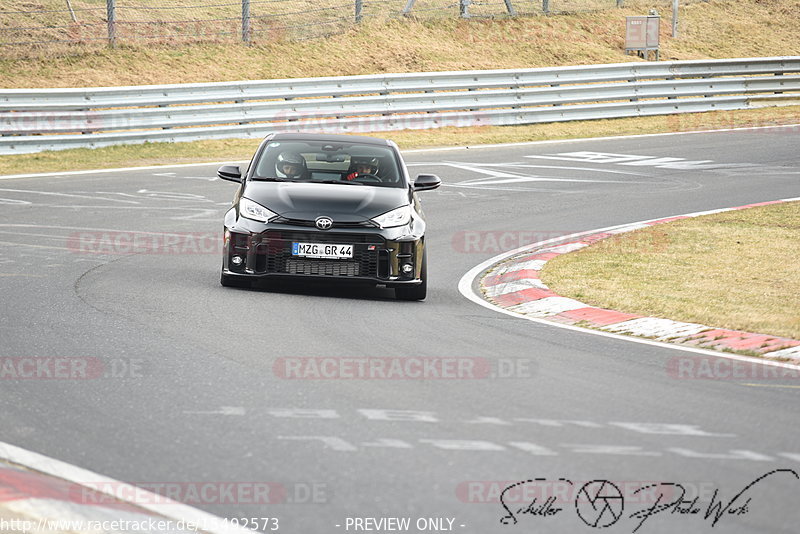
(333,138)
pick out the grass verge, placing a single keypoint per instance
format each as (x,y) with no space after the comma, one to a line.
(242,149)
(735,270)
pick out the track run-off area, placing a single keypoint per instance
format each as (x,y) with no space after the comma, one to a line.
(122,354)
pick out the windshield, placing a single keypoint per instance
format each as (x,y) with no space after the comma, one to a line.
(326,162)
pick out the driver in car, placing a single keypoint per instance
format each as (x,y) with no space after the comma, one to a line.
(360,166)
(291,165)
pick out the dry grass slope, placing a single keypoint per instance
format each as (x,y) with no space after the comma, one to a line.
(718,28)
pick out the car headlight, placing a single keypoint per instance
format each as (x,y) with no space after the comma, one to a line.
(254,210)
(397,217)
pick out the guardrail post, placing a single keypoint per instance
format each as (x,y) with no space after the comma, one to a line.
(464,8)
(619,3)
(409,5)
(511,11)
(111,17)
(633,81)
(555,85)
(546,7)
(246,21)
(359,9)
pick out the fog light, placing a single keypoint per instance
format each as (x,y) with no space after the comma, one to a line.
(408,268)
(237,260)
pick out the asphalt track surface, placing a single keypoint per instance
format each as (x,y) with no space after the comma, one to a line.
(203,403)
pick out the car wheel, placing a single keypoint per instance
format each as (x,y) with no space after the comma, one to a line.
(418,292)
(233,281)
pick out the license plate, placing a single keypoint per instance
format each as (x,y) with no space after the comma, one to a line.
(322,250)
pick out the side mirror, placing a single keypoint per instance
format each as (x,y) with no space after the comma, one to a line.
(426,182)
(230,173)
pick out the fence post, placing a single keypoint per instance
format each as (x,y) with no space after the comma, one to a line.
(71,12)
(359,9)
(619,3)
(246,21)
(510,8)
(464,8)
(111,17)
(409,5)
(674,18)
(546,7)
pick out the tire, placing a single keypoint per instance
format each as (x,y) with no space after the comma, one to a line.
(233,281)
(417,292)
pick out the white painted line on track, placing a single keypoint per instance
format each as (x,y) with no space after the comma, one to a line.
(154,503)
(31,245)
(557,167)
(410,151)
(516,165)
(779,386)
(50,193)
(465,287)
(121,169)
(89,228)
(607,138)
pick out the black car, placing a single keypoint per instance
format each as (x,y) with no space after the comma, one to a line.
(327,207)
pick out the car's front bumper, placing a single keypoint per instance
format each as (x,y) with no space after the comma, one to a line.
(254,250)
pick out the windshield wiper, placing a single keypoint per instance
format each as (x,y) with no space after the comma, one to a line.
(272,179)
(343,182)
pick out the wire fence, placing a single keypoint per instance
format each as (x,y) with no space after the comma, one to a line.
(31,26)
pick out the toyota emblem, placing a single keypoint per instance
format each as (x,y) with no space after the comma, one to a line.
(323,223)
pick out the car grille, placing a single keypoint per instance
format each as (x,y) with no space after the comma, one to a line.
(274,255)
(336,224)
(324,237)
(322,267)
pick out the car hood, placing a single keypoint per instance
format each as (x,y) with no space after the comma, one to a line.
(308,201)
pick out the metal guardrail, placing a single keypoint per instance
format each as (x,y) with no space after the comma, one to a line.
(33,120)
